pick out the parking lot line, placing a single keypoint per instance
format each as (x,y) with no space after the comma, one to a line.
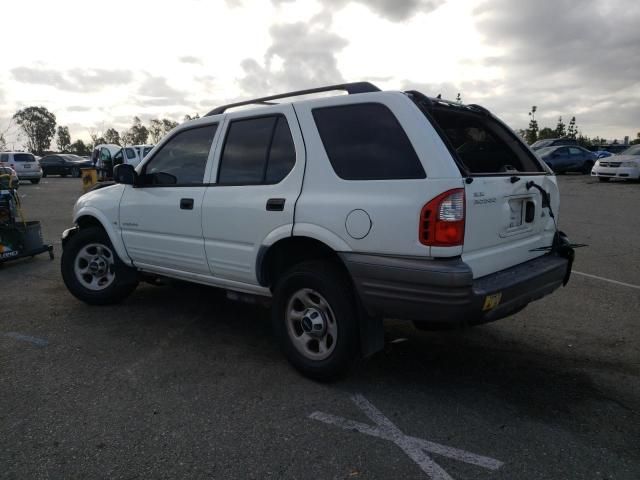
(416,448)
(616,282)
(38,342)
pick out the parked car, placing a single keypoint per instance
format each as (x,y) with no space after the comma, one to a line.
(344,210)
(132,155)
(553,142)
(13,176)
(63,164)
(625,165)
(102,158)
(568,159)
(601,153)
(24,164)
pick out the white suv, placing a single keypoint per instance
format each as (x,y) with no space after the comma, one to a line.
(345,210)
(25,165)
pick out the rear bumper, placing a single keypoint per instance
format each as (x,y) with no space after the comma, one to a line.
(444,291)
(30,175)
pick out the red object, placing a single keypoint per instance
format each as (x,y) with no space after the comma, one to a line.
(442,220)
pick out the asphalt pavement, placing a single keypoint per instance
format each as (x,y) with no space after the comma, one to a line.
(179,382)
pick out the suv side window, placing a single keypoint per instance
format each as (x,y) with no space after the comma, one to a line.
(105,154)
(131,154)
(4,157)
(365,141)
(182,160)
(257,151)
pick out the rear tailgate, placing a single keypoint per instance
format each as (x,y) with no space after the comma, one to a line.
(504,218)
(24,163)
(505,221)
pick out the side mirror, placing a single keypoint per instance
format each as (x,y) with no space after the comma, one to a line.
(125,174)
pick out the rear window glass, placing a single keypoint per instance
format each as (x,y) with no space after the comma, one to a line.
(23,157)
(482,144)
(364,141)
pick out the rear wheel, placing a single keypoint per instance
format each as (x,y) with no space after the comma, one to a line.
(604,179)
(75,172)
(44,174)
(35,180)
(93,272)
(315,319)
(586,168)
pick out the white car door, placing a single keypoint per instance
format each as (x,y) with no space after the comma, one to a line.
(255,182)
(160,217)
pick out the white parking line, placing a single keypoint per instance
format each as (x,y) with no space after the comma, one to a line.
(415,448)
(615,282)
(38,342)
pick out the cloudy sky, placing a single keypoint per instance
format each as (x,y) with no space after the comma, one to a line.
(96,64)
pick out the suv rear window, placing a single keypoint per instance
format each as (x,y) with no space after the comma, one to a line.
(364,141)
(482,144)
(23,157)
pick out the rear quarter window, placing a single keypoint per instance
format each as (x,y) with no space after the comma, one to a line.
(365,141)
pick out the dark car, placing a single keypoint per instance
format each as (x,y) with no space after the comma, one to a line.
(553,142)
(564,159)
(63,164)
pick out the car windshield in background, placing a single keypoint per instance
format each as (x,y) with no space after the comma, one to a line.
(635,150)
(544,151)
(541,144)
(482,144)
(23,157)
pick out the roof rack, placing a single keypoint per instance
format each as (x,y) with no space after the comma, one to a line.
(350,88)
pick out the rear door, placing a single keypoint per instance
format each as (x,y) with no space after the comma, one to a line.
(504,218)
(253,190)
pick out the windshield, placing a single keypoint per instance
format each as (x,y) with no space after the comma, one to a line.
(23,157)
(545,151)
(541,144)
(635,150)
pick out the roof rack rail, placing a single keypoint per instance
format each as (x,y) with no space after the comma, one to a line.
(350,88)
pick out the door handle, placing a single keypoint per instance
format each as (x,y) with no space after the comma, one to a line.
(275,204)
(186,204)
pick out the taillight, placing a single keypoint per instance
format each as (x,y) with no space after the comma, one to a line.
(442,220)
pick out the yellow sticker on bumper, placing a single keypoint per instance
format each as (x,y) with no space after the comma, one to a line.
(491,301)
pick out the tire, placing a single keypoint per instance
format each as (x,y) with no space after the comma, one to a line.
(111,282)
(35,181)
(604,179)
(318,296)
(586,168)
(44,174)
(75,172)
(63,175)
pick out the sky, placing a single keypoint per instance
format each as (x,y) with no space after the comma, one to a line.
(96,64)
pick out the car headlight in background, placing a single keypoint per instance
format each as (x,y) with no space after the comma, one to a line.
(629,164)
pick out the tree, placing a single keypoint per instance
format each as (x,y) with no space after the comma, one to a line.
(3,142)
(126,138)
(138,132)
(532,131)
(155,130)
(39,125)
(561,130)
(546,132)
(573,129)
(188,117)
(168,125)
(79,148)
(458,98)
(632,142)
(112,136)
(64,139)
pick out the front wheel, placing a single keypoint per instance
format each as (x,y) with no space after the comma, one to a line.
(93,272)
(75,172)
(315,319)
